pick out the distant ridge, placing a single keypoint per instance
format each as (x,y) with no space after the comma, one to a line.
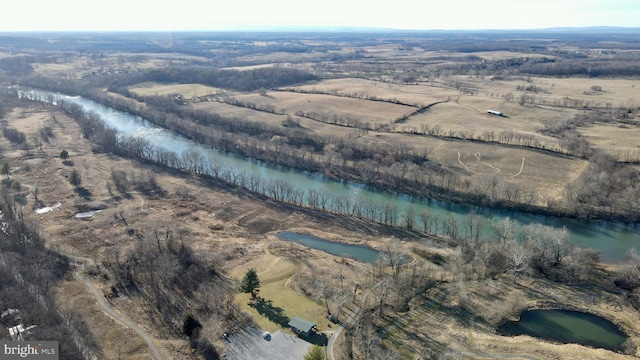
(338,29)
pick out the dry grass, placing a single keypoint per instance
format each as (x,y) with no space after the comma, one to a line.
(543,173)
(410,94)
(615,139)
(220,224)
(274,272)
(117,340)
(464,318)
(232,111)
(365,111)
(188,91)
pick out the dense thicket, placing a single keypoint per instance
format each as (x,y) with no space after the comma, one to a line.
(17,65)
(556,64)
(245,80)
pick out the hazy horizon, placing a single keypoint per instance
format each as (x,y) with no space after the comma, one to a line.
(254,15)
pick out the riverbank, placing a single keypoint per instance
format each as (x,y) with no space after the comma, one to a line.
(225,224)
(441,184)
(322,194)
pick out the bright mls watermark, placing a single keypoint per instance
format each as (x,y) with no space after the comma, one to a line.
(41,350)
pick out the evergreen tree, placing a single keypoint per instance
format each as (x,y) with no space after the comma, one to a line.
(315,353)
(250,283)
(75,179)
(190,325)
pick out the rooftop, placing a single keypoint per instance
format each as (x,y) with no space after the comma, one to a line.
(301,324)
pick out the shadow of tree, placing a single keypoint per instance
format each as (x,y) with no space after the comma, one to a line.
(86,194)
(315,338)
(273,313)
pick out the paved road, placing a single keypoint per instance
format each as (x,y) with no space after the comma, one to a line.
(111,311)
(250,344)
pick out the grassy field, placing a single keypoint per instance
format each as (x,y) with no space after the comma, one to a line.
(542,175)
(537,172)
(232,229)
(373,112)
(410,94)
(188,91)
(282,304)
(461,319)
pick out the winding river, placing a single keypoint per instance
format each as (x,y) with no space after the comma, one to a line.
(611,239)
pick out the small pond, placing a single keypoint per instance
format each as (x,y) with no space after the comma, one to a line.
(357,252)
(567,327)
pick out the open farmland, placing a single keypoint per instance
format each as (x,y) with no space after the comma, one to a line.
(418,95)
(541,175)
(187,91)
(329,108)
(374,139)
(621,141)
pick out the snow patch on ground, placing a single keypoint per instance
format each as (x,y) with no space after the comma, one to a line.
(48,208)
(87,214)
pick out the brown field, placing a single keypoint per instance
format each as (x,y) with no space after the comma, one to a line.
(410,94)
(611,137)
(373,112)
(229,110)
(452,326)
(188,91)
(541,173)
(82,67)
(615,92)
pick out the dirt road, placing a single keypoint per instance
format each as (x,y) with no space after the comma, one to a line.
(111,311)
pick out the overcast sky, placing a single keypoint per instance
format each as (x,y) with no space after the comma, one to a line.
(173,15)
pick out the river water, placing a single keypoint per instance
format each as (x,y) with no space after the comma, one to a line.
(611,239)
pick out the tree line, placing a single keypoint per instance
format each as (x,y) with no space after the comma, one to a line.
(394,167)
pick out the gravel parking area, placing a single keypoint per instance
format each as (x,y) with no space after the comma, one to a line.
(250,344)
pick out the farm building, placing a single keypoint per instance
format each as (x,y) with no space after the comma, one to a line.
(301,326)
(493,112)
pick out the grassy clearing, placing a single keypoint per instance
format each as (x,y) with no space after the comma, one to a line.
(373,112)
(187,91)
(283,304)
(615,139)
(411,94)
(232,111)
(544,174)
(463,321)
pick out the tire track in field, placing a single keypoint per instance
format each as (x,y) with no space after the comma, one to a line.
(479,155)
(521,168)
(463,165)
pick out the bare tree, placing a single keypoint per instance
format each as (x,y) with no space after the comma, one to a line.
(506,230)
(518,261)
